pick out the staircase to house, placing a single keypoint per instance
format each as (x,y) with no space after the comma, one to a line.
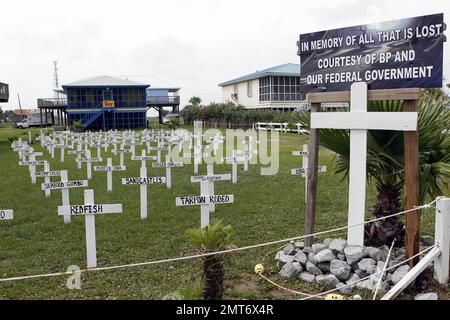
(89,118)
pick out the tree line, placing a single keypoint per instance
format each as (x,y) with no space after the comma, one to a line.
(230,112)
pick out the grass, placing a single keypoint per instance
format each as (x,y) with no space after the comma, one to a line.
(266,208)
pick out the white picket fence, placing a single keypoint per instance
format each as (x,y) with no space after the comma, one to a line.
(278,126)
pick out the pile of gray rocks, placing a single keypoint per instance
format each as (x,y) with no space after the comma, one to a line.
(335,264)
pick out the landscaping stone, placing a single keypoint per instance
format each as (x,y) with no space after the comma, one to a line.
(344,289)
(317,247)
(361,274)
(277,256)
(329,279)
(338,245)
(288,270)
(307,250)
(324,266)
(427,296)
(308,277)
(300,256)
(373,252)
(340,269)
(427,240)
(284,258)
(289,249)
(341,256)
(365,284)
(353,254)
(366,264)
(325,255)
(327,241)
(299,245)
(384,251)
(400,273)
(312,257)
(311,268)
(297,266)
(353,277)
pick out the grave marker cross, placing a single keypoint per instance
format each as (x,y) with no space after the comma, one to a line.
(358,120)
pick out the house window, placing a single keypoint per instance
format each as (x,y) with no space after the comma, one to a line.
(107,95)
(249,89)
(285,88)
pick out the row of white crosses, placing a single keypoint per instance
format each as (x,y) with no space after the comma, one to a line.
(303,171)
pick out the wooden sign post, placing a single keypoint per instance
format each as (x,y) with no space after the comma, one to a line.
(143,181)
(204,201)
(109,168)
(6,214)
(89,162)
(89,210)
(65,185)
(358,120)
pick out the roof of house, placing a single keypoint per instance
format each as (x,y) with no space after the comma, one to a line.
(105,81)
(25,112)
(287,69)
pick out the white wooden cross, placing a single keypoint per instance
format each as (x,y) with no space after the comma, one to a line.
(143,181)
(121,151)
(65,185)
(89,160)
(204,201)
(233,159)
(32,163)
(207,183)
(109,168)
(79,152)
(143,158)
(358,120)
(6,214)
(89,210)
(63,147)
(46,174)
(303,171)
(168,165)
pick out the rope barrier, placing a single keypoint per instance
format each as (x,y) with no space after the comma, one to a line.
(426,206)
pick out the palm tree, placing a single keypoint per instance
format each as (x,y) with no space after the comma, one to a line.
(195,101)
(213,238)
(385,159)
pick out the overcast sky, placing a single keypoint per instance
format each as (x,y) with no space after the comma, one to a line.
(191,44)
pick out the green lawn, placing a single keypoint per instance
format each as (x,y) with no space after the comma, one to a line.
(266,208)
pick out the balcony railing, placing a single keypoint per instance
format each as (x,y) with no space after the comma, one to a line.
(4,92)
(163,100)
(52,102)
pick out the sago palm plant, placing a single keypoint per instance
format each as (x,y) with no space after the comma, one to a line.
(213,238)
(385,159)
